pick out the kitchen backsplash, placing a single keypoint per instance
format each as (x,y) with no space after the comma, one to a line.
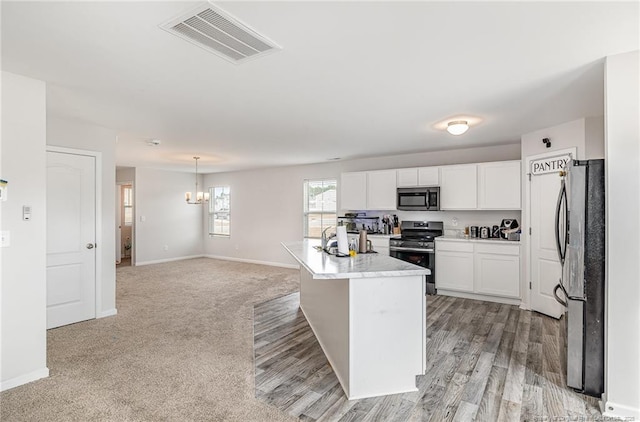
(450,218)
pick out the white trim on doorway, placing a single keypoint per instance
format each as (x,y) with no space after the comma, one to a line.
(120,223)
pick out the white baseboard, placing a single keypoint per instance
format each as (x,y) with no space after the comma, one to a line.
(107,313)
(253,261)
(477,296)
(24,379)
(614,410)
(525,307)
(161,261)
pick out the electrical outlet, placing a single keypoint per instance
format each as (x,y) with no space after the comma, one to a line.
(5,240)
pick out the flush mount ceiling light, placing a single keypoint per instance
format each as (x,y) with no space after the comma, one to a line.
(201,197)
(457,127)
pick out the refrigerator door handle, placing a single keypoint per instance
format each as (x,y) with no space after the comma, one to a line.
(562,198)
(561,301)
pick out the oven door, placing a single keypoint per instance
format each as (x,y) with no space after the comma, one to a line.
(423,257)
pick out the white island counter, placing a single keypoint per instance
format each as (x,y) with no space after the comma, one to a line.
(368,314)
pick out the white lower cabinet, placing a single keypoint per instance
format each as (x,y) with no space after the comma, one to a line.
(497,270)
(486,271)
(454,266)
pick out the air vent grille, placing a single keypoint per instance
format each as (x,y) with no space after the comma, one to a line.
(217,31)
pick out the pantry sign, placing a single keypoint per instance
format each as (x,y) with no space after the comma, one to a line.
(550,164)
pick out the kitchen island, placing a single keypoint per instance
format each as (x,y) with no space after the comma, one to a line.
(368,313)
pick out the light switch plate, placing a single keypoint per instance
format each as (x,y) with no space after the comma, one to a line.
(26,213)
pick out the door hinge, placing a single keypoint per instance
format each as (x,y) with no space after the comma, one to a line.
(529,231)
(530,286)
(529,174)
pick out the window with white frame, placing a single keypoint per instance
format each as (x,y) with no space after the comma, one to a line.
(127,204)
(320,206)
(219,211)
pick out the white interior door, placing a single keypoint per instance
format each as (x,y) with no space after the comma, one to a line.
(544,263)
(71,233)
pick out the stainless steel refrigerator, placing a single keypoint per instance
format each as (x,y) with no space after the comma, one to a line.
(580,237)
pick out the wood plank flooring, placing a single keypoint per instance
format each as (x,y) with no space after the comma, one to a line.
(485,362)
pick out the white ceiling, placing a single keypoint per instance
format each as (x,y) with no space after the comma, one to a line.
(354,79)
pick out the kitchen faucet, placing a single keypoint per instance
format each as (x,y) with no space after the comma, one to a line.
(325,239)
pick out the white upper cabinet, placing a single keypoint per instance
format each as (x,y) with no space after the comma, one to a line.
(381,190)
(459,187)
(499,185)
(429,176)
(478,186)
(483,186)
(422,176)
(407,178)
(368,190)
(353,191)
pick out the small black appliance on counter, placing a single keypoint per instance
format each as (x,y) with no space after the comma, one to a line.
(509,227)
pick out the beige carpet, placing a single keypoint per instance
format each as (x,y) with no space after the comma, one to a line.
(180,349)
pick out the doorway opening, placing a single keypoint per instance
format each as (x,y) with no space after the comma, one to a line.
(125,217)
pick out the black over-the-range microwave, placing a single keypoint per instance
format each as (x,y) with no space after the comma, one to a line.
(419,199)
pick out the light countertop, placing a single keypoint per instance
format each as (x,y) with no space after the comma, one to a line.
(321,265)
(478,240)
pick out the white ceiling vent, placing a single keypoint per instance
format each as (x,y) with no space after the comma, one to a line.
(218,32)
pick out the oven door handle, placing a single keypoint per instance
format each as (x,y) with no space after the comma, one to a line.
(400,248)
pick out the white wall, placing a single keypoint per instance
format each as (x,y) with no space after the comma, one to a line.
(169,222)
(125,174)
(266,204)
(23,335)
(587,134)
(79,135)
(622,383)
(594,137)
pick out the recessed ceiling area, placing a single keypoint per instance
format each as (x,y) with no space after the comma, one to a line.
(353,79)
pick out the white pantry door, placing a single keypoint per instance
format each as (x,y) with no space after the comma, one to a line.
(71,233)
(544,263)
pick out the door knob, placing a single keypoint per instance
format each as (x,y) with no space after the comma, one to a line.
(89,245)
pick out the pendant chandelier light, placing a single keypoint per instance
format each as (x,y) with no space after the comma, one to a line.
(200,197)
